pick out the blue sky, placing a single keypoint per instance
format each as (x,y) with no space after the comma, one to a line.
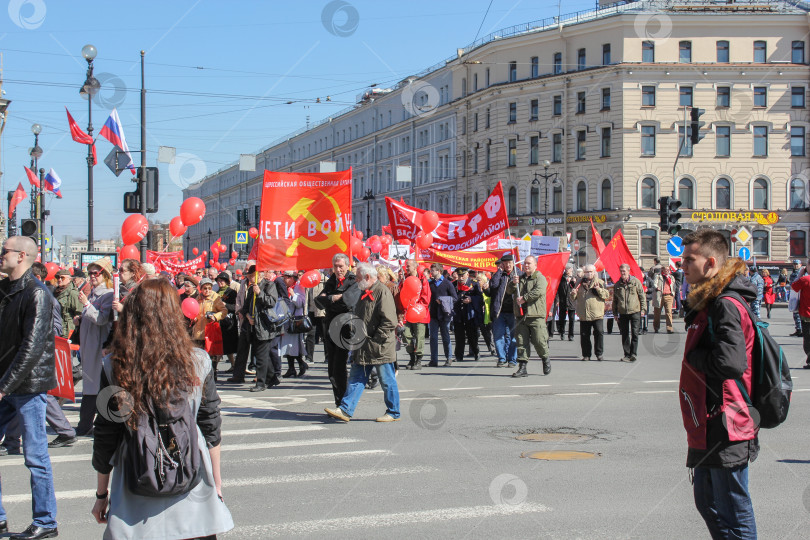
(219,76)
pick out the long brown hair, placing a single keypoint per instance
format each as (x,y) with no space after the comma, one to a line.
(152,352)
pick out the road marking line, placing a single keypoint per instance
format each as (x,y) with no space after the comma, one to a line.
(363,522)
(325,402)
(530,385)
(468,388)
(596,383)
(660,381)
(285,429)
(308,457)
(499,396)
(655,392)
(802,390)
(579,394)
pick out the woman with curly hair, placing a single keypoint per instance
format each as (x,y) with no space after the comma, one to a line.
(156,364)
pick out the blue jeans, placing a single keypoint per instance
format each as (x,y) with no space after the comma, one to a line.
(435,327)
(722,498)
(358,377)
(31,410)
(505,343)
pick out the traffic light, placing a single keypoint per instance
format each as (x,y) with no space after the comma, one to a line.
(132,199)
(695,124)
(663,212)
(28,227)
(673,216)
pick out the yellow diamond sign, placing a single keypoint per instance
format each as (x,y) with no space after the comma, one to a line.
(743,235)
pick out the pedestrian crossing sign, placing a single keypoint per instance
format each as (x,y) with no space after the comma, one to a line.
(241,237)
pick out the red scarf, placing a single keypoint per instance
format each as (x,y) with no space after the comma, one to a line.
(367,294)
(340,281)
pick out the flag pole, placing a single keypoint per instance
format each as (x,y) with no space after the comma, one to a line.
(514,267)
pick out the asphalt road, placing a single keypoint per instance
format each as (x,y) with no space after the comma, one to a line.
(453,467)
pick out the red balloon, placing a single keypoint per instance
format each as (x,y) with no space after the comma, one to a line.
(424,241)
(232,262)
(192,211)
(385,240)
(214,249)
(134,229)
(430,221)
(364,254)
(195,251)
(176,226)
(130,252)
(409,290)
(234,255)
(356,245)
(205,254)
(405,242)
(537,232)
(358,235)
(191,308)
(253,232)
(310,279)
(374,245)
(416,313)
(53,268)
(238,272)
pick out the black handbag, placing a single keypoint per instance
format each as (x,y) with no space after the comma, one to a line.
(300,325)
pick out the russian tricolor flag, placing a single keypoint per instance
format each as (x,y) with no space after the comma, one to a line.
(53,183)
(113,131)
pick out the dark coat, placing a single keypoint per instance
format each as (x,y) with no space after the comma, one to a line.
(228,325)
(497,290)
(266,299)
(445,288)
(27,363)
(324,300)
(473,311)
(564,293)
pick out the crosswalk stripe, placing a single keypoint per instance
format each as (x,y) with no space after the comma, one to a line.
(579,394)
(398,519)
(660,381)
(310,457)
(596,383)
(470,388)
(258,431)
(655,392)
(530,385)
(499,396)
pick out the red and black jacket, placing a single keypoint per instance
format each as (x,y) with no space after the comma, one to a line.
(716,380)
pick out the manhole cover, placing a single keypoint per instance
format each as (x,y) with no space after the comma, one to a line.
(560,455)
(554,437)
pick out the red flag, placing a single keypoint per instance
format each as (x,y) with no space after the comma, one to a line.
(95,157)
(76,132)
(552,266)
(596,240)
(617,253)
(17,198)
(32,177)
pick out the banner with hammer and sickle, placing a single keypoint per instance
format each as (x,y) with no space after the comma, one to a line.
(306,218)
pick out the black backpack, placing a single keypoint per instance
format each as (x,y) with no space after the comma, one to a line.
(771,385)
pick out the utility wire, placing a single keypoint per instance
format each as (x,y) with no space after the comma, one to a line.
(480,26)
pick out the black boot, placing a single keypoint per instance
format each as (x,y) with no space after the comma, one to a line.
(521,372)
(546,366)
(417,362)
(214,369)
(412,361)
(291,371)
(302,367)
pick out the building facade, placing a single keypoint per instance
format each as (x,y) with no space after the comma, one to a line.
(602,96)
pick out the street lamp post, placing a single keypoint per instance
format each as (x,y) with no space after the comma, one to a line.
(209,240)
(188,243)
(90,88)
(368,198)
(545,176)
(35,153)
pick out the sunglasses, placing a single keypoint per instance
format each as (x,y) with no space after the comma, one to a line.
(5,251)
(94,273)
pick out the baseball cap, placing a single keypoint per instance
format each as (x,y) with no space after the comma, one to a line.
(797,261)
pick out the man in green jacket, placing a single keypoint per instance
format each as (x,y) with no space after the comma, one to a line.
(68,296)
(529,292)
(629,302)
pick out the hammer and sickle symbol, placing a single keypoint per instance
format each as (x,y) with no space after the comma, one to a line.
(301,209)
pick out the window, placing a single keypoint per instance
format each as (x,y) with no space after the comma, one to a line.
(607,198)
(580,102)
(581,146)
(648,96)
(685,52)
(513,201)
(685,193)
(535,67)
(797,97)
(486,124)
(648,198)
(723,141)
(606,54)
(760,244)
(798,194)
(464,163)
(464,87)
(647,140)
(760,141)
(475,122)
(581,59)
(534,150)
(722,51)
(647,51)
(684,144)
(760,52)
(686,96)
(475,160)
(798,243)
(722,194)
(557,63)
(534,108)
(581,197)
(488,156)
(487,77)
(760,96)
(606,235)
(797,141)
(556,147)
(760,194)
(464,125)
(605,142)
(723,96)
(556,108)
(512,153)
(649,242)
(475,82)
(512,113)
(556,199)
(534,200)
(605,99)
(797,49)
(512,71)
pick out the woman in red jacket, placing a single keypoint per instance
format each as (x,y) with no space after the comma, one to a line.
(769,296)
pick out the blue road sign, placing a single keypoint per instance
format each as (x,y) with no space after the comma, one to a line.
(744,253)
(241,237)
(675,246)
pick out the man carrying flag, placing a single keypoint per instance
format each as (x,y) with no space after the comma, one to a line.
(113,131)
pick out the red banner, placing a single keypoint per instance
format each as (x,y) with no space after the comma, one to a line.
(474,260)
(174,268)
(64,370)
(552,266)
(454,232)
(306,219)
(617,253)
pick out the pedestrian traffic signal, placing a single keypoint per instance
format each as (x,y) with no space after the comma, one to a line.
(694,126)
(132,200)
(663,213)
(673,216)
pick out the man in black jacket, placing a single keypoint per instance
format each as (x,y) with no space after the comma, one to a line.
(27,372)
(443,297)
(331,300)
(568,306)
(262,295)
(501,312)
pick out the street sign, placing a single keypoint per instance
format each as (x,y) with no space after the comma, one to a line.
(241,237)
(744,253)
(743,235)
(576,245)
(675,246)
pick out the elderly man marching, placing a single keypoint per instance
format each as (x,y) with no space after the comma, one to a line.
(590,294)
(629,302)
(378,314)
(529,292)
